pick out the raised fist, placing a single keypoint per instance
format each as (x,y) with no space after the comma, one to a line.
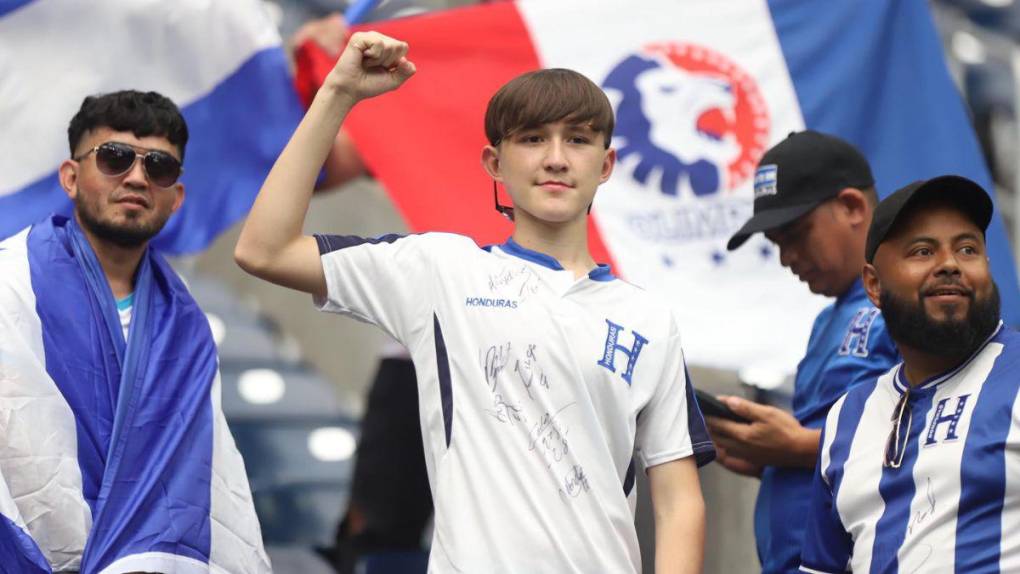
(370,65)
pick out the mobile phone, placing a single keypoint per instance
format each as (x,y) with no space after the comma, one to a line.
(713,407)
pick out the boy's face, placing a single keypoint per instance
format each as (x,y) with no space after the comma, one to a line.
(551,172)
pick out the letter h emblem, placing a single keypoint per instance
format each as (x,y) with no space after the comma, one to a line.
(856,340)
(953,419)
(612,346)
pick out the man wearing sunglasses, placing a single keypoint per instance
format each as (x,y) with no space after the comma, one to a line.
(114,453)
(919,470)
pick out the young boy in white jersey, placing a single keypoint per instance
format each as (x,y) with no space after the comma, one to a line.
(540,374)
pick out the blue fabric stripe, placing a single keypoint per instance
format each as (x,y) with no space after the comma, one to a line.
(72,319)
(126,303)
(96,280)
(847,423)
(602,271)
(445,386)
(8,6)
(358,10)
(846,428)
(331,243)
(983,470)
(701,442)
(32,204)
(866,91)
(897,488)
(515,249)
(149,490)
(230,151)
(18,552)
(827,546)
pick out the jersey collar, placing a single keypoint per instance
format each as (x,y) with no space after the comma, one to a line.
(856,290)
(901,383)
(601,272)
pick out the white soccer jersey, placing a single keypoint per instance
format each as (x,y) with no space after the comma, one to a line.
(954,503)
(534,391)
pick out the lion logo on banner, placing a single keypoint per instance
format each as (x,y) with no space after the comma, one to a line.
(687,116)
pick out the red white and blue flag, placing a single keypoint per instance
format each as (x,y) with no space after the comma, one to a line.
(701,89)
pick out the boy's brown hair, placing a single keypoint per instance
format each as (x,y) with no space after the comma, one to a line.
(547,96)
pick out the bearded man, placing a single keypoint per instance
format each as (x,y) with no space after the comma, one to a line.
(114,453)
(919,470)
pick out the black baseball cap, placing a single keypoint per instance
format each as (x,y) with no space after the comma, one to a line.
(968,196)
(798,174)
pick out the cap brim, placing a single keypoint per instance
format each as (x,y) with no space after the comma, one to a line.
(768,220)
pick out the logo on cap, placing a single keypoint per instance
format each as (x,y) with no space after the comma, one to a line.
(765,181)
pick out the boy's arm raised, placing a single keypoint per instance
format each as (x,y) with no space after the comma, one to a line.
(272,245)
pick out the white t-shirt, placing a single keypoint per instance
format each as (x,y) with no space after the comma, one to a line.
(535,389)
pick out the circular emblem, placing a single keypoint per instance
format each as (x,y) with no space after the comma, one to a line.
(687,118)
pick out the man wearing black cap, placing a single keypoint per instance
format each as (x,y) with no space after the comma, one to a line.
(814,196)
(919,469)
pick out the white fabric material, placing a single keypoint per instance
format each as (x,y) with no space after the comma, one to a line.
(125,320)
(236,544)
(38,462)
(1009,555)
(209,40)
(542,435)
(858,507)
(158,562)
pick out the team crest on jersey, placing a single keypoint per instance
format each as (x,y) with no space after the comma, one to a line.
(945,422)
(691,126)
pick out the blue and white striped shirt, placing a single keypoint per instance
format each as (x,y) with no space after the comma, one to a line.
(954,503)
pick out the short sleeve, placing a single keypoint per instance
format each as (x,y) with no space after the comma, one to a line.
(827,545)
(671,426)
(385,281)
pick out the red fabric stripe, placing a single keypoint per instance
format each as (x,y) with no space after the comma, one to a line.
(424,141)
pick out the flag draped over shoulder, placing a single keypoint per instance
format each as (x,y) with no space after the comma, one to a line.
(114,455)
(220,61)
(701,89)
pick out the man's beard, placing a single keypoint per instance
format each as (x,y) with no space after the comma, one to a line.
(130,234)
(909,324)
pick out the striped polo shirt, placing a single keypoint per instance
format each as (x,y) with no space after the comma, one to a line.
(953,505)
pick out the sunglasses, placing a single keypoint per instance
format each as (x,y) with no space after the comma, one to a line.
(896,446)
(114,159)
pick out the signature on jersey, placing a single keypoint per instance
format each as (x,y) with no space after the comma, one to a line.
(506,279)
(530,371)
(550,436)
(575,482)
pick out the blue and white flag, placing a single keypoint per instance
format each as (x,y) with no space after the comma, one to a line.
(219,60)
(114,455)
